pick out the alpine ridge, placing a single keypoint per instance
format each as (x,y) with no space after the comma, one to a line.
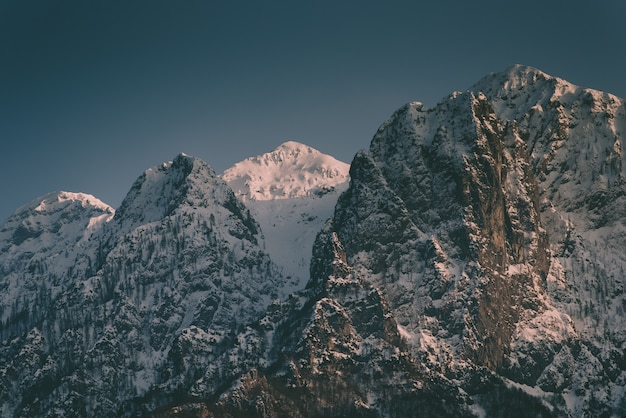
(470,264)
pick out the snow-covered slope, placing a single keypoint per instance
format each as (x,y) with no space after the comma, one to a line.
(291,192)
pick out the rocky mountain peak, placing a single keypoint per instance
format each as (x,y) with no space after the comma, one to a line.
(573,134)
(450,189)
(519,76)
(458,213)
(161,189)
(60,221)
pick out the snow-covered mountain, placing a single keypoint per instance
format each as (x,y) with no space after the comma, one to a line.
(492,227)
(493,224)
(50,238)
(291,192)
(292,170)
(154,292)
(472,266)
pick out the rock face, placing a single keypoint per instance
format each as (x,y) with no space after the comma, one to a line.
(461,245)
(575,136)
(479,221)
(474,266)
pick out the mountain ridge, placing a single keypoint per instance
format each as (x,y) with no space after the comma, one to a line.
(473,265)
(181,260)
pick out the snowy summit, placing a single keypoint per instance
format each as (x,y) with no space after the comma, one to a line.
(291,170)
(291,192)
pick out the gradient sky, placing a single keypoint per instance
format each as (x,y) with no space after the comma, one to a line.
(92,93)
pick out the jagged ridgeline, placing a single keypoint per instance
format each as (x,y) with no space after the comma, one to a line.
(474,266)
(102,309)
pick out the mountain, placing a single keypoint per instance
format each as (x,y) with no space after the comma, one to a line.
(493,224)
(50,238)
(115,314)
(491,229)
(472,266)
(291,192)
(291,171)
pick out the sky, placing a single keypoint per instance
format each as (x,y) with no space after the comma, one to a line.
(92,93)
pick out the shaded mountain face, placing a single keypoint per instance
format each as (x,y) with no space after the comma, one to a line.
(474,266)
(330,350)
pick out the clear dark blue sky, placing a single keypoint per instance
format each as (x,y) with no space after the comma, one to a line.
(94,92)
